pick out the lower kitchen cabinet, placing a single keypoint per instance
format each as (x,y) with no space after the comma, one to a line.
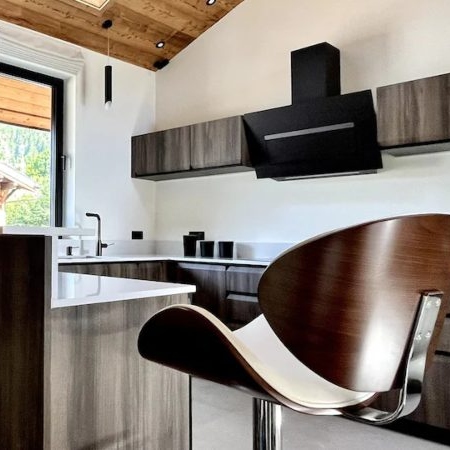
(228,292)
(241,305)
(434,408)
(154,271)
(431,419)
(210,282)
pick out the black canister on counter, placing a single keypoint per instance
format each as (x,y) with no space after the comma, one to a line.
(189,244)
(226,249)
(207,248)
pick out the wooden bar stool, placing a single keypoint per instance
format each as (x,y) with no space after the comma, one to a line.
(346,316)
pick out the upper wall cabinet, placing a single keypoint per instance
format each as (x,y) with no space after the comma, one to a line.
(206,148)
(162,152)
(414,113)
(219,143)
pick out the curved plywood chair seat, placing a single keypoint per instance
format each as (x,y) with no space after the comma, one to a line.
(191,339)
(340,314)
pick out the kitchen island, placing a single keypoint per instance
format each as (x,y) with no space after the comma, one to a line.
(70,373)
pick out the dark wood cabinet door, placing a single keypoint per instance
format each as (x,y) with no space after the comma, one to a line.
(244,279)
(240,310)
(88,269)
(434,407)
(153,271)
(219,143)
(210,282)
(160,152)
(414,112)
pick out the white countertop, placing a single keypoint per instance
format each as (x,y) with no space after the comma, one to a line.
(142,258)
(79,289)
(47,231)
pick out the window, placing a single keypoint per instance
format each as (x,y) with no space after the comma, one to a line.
(31,147)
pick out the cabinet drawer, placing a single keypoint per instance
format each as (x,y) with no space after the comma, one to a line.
(444,339)
(210,282)
(244,279)
(241,309)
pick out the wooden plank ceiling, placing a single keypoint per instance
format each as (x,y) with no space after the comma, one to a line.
(25,103)
(137,24)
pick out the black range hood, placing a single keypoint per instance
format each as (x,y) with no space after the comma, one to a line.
(322,133)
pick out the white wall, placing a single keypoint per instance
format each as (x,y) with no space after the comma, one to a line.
(103,180)
(242,64)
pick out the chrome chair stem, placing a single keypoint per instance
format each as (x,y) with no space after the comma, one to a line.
(266,425)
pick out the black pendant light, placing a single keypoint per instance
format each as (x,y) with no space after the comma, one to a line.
(107,24)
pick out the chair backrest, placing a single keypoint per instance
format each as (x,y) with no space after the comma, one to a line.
(344,303)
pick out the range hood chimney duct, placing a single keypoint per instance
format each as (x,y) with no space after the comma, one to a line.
(322,133)
(315,72)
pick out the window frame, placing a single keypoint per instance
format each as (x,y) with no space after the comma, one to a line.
(57,133)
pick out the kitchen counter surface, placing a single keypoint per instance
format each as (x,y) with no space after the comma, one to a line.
(142,258)
(47,231)
(79,289)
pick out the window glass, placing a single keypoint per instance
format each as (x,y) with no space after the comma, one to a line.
(30,148)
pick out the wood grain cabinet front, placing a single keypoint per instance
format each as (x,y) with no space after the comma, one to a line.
(414,112)
(207,148)
(152,271)
(71,377)
(219,143)
(161,152)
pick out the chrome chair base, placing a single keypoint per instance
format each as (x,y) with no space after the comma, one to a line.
(266,425)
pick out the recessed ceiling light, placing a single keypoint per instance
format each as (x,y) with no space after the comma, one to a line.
(97,4)
(160,44)
(210,2)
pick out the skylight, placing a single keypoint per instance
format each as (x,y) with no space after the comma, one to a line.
(97,4)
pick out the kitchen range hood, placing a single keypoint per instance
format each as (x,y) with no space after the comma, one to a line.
(322,133)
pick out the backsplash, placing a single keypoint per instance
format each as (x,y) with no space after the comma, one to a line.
(117,247)
(261,251)
(264,251)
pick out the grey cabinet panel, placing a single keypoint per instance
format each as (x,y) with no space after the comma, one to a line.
(161,152)
(414,112)
(219,143)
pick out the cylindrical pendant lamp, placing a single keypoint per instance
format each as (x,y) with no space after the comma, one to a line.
(108,86)
(107,24)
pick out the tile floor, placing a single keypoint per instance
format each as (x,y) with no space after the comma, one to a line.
(222,420)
